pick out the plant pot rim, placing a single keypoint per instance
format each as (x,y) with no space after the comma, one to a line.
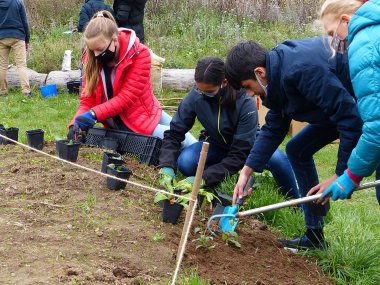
(34,131)
(65,141)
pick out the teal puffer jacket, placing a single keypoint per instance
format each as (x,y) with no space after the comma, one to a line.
(364,60)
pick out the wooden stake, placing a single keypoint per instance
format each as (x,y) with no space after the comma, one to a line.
(194,195)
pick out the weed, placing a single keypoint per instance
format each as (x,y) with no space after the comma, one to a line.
(86,205)
(127,202)
(158,237)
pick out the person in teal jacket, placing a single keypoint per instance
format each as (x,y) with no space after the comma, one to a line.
(354,26)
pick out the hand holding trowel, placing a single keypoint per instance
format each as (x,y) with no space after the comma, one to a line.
(227,215)
(225,219)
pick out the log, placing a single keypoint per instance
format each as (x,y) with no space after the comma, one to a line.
(35,78)
(60,78)
(175,79)
(178,79)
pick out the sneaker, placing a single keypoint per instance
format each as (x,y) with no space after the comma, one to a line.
(304,243)
(28,94)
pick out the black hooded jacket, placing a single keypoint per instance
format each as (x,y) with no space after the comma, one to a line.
(230,129)
(307,84)
(130,14)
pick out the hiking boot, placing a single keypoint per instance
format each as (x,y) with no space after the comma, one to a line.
(29,94)
(313,239)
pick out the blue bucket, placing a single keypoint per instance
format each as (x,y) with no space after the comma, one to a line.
(49,90)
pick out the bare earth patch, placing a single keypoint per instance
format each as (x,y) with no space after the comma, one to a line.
(61,225)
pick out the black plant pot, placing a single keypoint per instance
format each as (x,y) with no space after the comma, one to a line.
(11,133)
(68,149)
(114,184)
(108,158)
(171,212)
(73,86)
(35,138)
(109,143)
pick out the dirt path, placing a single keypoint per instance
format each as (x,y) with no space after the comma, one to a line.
(60,225)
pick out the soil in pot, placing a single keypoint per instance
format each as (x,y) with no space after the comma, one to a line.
(171,212)
(120,172)
(11,133)
(108,158)
(68,149)
(35,138)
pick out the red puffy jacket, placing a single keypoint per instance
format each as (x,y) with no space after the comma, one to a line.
(133,98)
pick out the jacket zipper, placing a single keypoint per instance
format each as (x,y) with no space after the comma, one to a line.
(219,122)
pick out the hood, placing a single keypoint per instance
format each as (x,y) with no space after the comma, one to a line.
(128,40)
(5,3)
(367,15)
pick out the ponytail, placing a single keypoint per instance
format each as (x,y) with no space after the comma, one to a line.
(101,24)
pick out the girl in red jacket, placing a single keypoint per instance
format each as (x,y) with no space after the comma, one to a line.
(117,89)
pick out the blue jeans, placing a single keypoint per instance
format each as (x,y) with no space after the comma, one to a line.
(300,150)
(164,125)
(278,165)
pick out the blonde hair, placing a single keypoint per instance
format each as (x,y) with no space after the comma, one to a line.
(101,24)
(339,7)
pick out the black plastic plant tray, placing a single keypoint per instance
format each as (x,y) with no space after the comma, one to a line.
(145,148)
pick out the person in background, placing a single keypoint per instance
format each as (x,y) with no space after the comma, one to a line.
(117,90)
(355,26)
(130,14)
(14,35)
(230,121)
(88,10)
(300,80)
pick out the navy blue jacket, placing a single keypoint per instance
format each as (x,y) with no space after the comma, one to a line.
(89,8)
(13,20)
(231,129)
(307,84)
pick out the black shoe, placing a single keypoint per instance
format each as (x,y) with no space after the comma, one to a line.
(313,239)
(28,95)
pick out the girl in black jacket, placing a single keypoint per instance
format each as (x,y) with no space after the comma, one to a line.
(230,119)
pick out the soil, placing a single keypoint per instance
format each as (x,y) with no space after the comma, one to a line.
(61,225)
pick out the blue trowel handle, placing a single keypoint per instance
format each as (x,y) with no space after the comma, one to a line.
(249,184)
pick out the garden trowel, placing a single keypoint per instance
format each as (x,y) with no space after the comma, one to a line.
(227,215)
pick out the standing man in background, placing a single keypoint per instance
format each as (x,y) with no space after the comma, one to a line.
(89,8)
(130,14)
(14,35)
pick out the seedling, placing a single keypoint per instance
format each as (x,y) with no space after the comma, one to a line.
(118,168)
(203,239)
(208,197)
(231,238)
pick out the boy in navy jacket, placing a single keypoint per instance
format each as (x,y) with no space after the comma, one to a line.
(298,80)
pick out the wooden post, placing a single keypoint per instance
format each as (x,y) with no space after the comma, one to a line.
(194,195)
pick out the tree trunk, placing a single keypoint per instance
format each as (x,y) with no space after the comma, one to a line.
(35,78)
(175,79)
